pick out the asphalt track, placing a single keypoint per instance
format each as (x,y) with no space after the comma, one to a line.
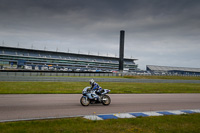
(25,106)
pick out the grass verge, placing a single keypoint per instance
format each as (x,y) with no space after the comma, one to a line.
(164,124)
(77,87)
(163,77)
(140,77)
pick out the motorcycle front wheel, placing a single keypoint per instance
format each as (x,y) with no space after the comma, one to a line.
(84,101)
(106,100)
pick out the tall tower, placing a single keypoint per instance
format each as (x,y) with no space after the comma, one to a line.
(121,51)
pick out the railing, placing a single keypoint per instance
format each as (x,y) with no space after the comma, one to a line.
(53,74)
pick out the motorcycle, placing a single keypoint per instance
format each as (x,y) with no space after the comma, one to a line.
(91,97)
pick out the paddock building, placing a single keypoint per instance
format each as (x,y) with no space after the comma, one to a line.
(172,70)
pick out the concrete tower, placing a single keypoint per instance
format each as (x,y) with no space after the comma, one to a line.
(121,51)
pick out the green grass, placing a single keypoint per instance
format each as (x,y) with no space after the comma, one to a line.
(160,124)
(77,87)
(140,77)
(163,77)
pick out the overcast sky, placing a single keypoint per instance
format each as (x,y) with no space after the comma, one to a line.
(157,32)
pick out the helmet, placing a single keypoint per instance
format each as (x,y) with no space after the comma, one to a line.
(91,81)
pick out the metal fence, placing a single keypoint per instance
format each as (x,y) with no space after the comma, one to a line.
(53,74)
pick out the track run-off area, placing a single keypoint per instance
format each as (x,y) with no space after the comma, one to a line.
(36,106)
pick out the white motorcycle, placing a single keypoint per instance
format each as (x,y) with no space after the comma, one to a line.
(91,97)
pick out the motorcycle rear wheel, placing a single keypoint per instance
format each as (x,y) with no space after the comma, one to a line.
(84,101)
(106,100)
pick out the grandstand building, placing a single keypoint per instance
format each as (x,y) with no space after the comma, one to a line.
(21,58)
(172,70)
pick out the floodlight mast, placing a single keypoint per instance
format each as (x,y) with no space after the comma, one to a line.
(121,51)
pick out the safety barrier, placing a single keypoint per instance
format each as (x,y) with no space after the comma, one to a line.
(85,74)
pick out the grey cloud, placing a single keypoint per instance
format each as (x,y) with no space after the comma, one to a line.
(152,27)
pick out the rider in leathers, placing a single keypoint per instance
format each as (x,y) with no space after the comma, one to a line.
(95,87)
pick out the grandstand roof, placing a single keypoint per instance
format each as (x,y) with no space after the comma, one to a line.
(169,68)
(65,53)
